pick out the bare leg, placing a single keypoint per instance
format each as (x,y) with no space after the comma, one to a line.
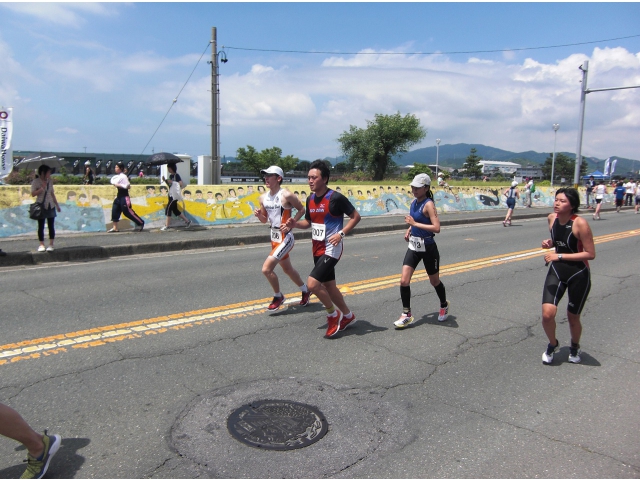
(336,296)
(291,272)
(575,327)
(320,291)
(12,425)
(267,270)
(549,311)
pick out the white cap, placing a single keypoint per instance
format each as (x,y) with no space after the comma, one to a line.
(87,163)
(421,180)
(514,184)
(273,169)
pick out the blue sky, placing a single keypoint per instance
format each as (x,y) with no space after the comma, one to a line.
(103,75)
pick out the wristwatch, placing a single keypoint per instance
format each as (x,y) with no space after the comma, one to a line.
(559,256)
(341,233)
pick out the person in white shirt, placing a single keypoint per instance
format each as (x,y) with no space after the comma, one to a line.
(122,202)
(628,194)
(275,208)
(632,189)
(175,184)
(528,192)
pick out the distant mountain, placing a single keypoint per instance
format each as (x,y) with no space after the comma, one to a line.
(454,156)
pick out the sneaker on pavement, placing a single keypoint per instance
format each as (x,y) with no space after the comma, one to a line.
(405,320)
(164,229)
(139,228)
(444,313)
(276,303)
(547,357)
(37,467)
(306,298)
(188,224)
(347,322)
(50,248)
(333,323)
(41,248)
(574,353)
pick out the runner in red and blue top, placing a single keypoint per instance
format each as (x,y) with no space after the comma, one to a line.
(568,270)
(423,224)
(325,211)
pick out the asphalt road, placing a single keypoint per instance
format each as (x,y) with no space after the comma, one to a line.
(138,361)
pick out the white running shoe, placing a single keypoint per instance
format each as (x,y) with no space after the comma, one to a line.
(41,248)
(444,313)
(404,321)
(574,354)
(547,356)
(49,248)
(165,228)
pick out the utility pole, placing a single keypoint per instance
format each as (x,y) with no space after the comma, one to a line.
(583,94)
(215,117)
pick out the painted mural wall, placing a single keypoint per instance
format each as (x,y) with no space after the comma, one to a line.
(88,208)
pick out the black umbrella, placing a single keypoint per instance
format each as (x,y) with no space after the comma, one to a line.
(163,158)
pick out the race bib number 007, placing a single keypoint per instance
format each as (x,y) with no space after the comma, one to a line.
(318,231)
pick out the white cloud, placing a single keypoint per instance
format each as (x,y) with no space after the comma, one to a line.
(69,130)
(63,14)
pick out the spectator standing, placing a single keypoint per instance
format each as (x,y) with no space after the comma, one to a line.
(122,202)
(632,189)
(628,199)
(591,184)
(89,177)
(42,189)
(620,194)
(528,192)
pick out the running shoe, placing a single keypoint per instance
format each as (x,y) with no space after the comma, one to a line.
(139,227)
(37,467)
(165,228)
(306,298)
(41,248)
(547,357)
(405,319)
(276,303)
(188,224)
(504,223)
(444,313)
(333,323)
(574,353)
(347,322)
(113,230)
(50,248)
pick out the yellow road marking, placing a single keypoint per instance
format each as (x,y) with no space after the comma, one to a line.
(93,337)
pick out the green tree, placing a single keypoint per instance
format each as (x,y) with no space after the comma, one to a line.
(303,166)
(472,165)
(372,149)
(254,161)
(565,167)
(417,169)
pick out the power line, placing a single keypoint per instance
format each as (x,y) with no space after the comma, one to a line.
(429,53)
(176,98)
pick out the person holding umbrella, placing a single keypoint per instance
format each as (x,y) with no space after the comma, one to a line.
(42,189)
(122,202)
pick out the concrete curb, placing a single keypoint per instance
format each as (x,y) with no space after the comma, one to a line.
(92,252)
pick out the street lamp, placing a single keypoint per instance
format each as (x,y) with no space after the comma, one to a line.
(556,126)
(437,154)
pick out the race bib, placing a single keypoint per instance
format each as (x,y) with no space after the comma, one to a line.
(318,231)
(416,244)
(276,235)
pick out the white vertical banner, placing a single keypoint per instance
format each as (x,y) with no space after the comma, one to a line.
(6,130)
(613,166)
(605,172)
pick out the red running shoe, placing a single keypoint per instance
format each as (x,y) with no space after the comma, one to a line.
(306,297)
(333,322)
(347,321)
(276,303)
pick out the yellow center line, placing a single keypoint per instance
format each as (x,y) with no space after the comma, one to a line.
(93,337)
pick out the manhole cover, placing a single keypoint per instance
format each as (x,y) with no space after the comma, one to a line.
(277,424)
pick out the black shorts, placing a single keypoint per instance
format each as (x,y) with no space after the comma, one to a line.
(562,277)
(172,207)
(619,202)
(325,268)
(430,257)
